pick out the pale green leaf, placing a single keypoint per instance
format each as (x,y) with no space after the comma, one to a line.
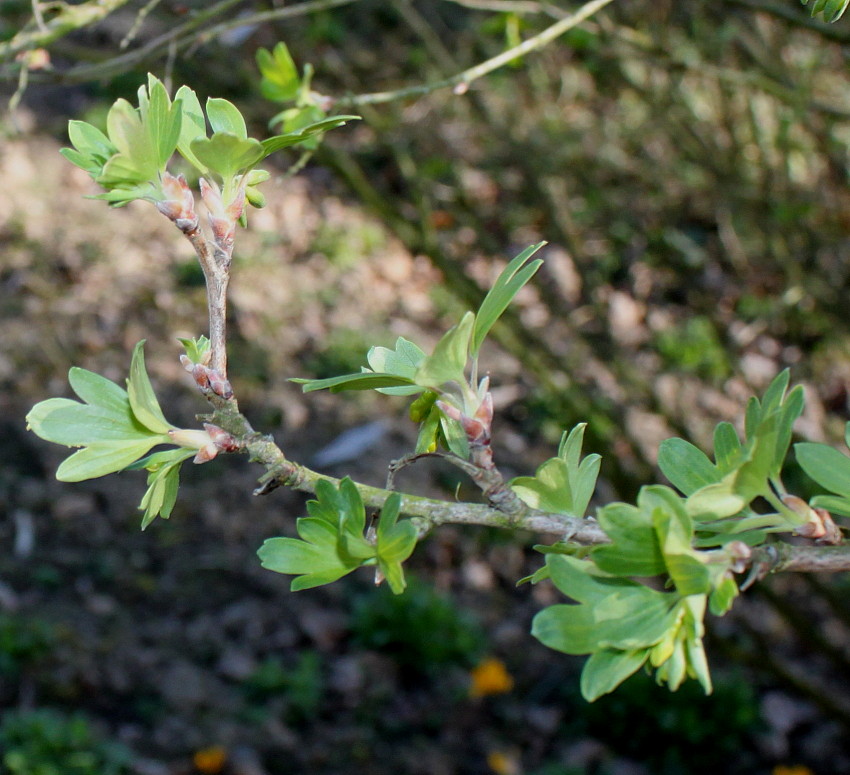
(448,361)
(105,457)
(360,381)
(142,398)
(605,670)
(686,466)
(226,154)
(192,127)
(280,80)
(224,116)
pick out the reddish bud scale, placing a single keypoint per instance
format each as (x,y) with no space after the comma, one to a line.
(224,441)
(218,384)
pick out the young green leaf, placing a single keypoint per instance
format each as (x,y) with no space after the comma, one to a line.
(448,361)
(395,542)
(635,548)
(606,669)
(313,559)
(832,10)
(611,611)
(453,436)
(162,120)
(832,503)
(280,80)
(226,154)
(224,116)
(193,125)
(142,398)
(403,361)
(92,149)
(103,457)
(115,427)
(727,447)
(429,430)
(359,381)
(509,283)
(826,466)
(302,134)
(564,484)
(686,466)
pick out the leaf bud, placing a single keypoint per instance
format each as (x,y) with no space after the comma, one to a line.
(819,524)
(255,198)
(178,204)
(195,439)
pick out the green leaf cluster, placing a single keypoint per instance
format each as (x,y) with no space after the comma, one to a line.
(563,484)
(197,349)
(116,429)
(333,540)
(304,123)
(720,493)
(448,373)
(831,470)
(832,10)
(130,159)
(623,626)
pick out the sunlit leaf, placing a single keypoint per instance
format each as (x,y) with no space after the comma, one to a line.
(509,283)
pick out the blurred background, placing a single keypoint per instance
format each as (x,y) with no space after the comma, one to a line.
(687,164)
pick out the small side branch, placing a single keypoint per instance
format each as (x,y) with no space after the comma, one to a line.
(460,81)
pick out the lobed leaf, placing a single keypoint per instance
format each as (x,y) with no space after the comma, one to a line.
(226,154)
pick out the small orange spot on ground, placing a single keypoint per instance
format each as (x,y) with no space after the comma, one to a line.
(210,761)
(490,677)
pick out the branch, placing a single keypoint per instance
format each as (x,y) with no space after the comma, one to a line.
(185,35)
(68,19)
(800,558)
(428,513)
(460,82)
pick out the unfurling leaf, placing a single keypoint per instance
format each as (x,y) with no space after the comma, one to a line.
(563,484)
(448,361)
(509,283)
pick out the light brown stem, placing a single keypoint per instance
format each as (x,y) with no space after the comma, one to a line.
(216,268)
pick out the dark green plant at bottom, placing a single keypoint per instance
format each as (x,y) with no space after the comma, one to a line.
(423,630)
(49,742)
